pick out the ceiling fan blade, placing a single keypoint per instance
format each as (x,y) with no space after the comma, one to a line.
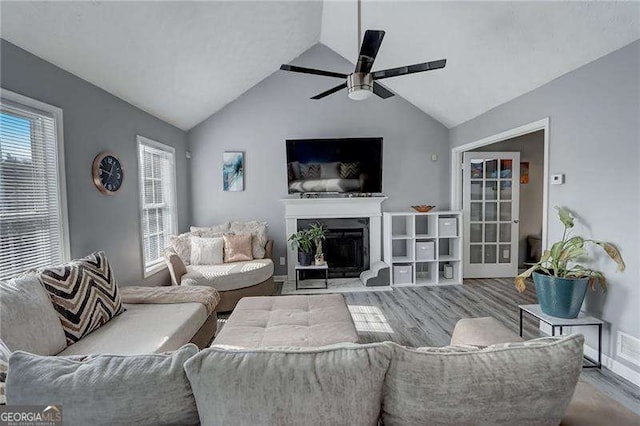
(382,91)
(409,69)
(369,49)
(331,91)
(303,70)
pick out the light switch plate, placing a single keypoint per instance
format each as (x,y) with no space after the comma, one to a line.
(283,261)
(557,179)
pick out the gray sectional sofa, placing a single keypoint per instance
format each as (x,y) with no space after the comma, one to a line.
(524,383)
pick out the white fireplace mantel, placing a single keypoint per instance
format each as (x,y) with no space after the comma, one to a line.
(334,208)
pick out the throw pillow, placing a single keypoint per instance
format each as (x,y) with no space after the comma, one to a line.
(237,248)
(295,168)
(28,321)
(333,385)
(207,251)
(291,176)
(310,171)
(176,266)
(210,231)
(107,389)
(258,230)
(350,170)
(527,384)
(329,171)
(85,294)
(182,246)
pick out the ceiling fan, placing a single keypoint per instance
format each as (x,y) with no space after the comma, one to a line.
(362,83)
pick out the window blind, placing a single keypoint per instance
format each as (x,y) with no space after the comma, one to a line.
(31,221)
(158,199)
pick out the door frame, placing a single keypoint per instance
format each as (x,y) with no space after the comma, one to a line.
(456,165)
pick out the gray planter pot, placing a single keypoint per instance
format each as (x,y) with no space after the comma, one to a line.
(560,297)
(305,259)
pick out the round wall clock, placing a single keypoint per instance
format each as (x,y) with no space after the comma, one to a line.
(107,173)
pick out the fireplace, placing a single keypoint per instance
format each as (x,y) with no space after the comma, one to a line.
(346,247)
(339,214)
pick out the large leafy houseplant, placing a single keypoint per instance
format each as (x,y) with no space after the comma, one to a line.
(303,243)
(559,268)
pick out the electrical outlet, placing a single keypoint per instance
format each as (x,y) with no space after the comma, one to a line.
(283,261)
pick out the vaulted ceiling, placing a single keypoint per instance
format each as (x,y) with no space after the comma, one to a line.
(183,61)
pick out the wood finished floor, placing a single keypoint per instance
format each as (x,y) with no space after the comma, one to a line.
(426,316)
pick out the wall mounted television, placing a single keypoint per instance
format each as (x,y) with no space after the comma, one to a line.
(334,165)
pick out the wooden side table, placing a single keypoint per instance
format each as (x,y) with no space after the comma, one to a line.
(324,268)
(581,321)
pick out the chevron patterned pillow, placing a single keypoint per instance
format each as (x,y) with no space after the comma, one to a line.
(350,170)
(84,293)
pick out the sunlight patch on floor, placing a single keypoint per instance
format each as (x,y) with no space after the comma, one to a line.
(369,319)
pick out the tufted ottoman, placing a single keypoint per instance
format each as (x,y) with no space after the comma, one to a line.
(301,321)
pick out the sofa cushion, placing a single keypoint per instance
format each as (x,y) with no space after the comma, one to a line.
(28,321)
(84,293)
(210,231)
(207,251)
(484,331)
(330,385)
(527,383)
(301,321)
(144,328)
(147,389)
(229,276)
(258,230)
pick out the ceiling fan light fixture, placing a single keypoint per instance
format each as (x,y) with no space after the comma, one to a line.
(360,86)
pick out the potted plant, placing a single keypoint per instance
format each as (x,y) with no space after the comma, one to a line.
(302,242)
(560,281)
(318,232)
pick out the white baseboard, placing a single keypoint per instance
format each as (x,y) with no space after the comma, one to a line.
(611,364)
(614,366)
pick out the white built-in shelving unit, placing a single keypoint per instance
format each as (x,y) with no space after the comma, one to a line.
(403,231)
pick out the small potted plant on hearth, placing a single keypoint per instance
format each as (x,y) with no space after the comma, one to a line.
(318,233)
(560,281)
(302,242)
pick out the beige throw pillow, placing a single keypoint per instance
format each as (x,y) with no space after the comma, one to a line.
(207,251)
(237,248)
(181,244)
(258,230)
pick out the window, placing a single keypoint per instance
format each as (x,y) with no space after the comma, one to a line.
(33,221)
(157,200)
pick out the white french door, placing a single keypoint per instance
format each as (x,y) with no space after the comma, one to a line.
(491,207)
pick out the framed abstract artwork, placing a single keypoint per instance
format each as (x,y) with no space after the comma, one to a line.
(233,171)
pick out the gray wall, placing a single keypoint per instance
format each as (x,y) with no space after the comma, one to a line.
(594,139)
(279,108)
(96,121)
(531,149)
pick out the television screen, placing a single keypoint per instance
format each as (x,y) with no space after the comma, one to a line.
(334,165)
